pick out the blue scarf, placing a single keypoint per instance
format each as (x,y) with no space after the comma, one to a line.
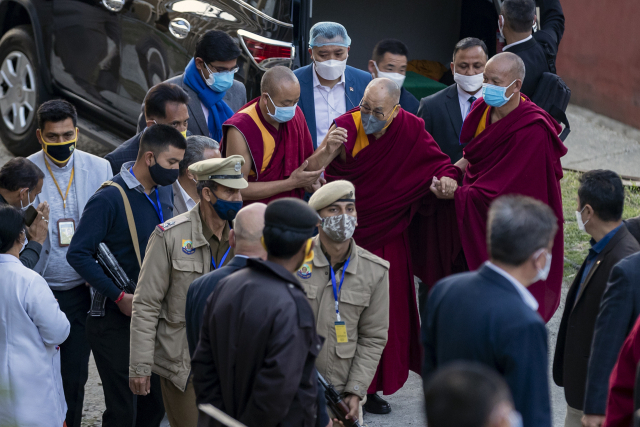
(219,111)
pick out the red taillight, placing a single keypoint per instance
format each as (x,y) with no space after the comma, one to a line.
(261,51)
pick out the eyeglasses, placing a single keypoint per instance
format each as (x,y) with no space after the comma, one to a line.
(216,70)
(365,109)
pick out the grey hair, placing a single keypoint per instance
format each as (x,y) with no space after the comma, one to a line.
(518,226)
(196,144)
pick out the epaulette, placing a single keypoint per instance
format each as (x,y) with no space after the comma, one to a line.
(363,253)
(167,225)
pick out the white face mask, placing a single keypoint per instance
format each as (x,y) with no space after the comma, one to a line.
(469,83)
(581,225)
(501,26)
(24,208)
(544,273)
(397,78)
(331,69)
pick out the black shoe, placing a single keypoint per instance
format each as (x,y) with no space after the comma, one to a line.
(376,405)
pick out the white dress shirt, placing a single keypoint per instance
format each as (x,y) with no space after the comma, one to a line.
(518,42)
(524,292)
(205,110)
(186,197)
(463,99)
(329,104)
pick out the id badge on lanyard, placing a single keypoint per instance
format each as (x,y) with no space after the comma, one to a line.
(341,327)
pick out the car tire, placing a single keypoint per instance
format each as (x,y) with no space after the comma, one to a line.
(21,93)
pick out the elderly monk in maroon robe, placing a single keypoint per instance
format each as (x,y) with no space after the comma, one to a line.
(511,147)
(271,133)
(390,158)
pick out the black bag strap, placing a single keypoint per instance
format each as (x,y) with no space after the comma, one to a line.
(561,117)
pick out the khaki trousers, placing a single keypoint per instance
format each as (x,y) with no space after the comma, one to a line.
(360,413)
(573,418)
(180,405)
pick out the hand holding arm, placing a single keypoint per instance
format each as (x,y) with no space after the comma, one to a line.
(331,147)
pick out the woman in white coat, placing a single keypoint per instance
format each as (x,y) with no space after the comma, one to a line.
(32,326)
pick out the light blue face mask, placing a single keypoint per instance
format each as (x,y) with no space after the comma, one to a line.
(282,114)
(219,82)
(494,95)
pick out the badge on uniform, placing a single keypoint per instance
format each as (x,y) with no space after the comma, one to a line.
(187,247)
(341,332)
(305,271)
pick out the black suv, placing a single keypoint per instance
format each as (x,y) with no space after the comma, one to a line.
(103,55)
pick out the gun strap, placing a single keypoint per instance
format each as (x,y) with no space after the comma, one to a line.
(129,212)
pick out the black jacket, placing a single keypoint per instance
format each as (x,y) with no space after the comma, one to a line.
(544,43)
(573,347)
(480,317)
(443,120)
(633,225)
(126,152)
(256,356)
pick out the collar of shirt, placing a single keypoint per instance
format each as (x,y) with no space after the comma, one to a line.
(187,198)
(464,96)
(523,291)
(518,42)
(131,181)
(208,233)
(316,81)
(8,258)
(597,247)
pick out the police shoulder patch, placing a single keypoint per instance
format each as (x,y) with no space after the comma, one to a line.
(305,271)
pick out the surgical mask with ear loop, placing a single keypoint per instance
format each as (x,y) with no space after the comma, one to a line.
(24,208)
(544,272)
(60,152)
(397,78)
(330,69)
(581,224)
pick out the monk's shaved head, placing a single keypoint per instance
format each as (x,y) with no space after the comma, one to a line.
(507,64)
(277,78)
(383,88)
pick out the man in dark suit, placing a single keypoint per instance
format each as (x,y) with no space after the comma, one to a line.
(600,205)
(329,87)
(633,225)
(389,60)
(489,316)
(537,50)
(165,104)
(444,112)
(244,238)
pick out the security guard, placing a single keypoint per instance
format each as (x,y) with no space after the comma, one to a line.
(348,289)
(179,251)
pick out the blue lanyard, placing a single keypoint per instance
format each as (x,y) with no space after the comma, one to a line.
(158,207)
(336,289)
(213,261)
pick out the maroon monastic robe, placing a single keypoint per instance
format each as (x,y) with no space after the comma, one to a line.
(519,154)
(392,176)
(276,153)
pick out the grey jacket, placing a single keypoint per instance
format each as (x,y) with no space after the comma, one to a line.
(235,98)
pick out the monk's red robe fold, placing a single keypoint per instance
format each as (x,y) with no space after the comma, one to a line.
(276,153)
(519,154)
(392,176)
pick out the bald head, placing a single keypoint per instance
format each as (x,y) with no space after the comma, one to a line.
(277,78)
(247,231)
(508,65)
(383,88)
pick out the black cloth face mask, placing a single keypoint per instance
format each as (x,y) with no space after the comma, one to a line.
(162,176)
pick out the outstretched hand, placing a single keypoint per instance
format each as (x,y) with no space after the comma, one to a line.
(302,178)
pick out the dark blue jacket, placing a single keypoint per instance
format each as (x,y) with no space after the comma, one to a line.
(408,102)
(480,316)
(355,80)
(199,293)
(126,152)
(104,220)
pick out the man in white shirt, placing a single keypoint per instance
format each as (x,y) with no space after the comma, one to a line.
(185,193)
(444,112)
(328,86)
(491,315)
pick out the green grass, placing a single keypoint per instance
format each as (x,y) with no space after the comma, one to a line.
(576,242)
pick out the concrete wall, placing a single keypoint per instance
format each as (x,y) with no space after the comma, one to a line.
(429,28)
(599,57)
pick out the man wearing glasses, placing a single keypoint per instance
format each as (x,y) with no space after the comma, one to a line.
(391,160)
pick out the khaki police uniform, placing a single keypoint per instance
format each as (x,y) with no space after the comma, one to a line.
(179,251)
(363,305)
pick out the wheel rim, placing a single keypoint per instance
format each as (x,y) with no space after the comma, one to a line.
(17,92)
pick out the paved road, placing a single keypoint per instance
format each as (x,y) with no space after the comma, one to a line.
(595,142)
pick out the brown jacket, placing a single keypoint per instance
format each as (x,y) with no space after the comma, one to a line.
(179,251)
(364,307)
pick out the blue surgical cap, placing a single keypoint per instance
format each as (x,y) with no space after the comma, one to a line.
(328,33)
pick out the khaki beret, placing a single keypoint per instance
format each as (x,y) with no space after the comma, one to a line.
(227,171)
(335,191)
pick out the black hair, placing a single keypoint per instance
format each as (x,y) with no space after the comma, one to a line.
(393,46)
(11,226)
(155,102)
(20,173)
(283,243)
(55,111)
(518,226)
(519,14)
(468,43)
(210,184)
(217,46)
(604,192)
(464,394)
(158,138)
